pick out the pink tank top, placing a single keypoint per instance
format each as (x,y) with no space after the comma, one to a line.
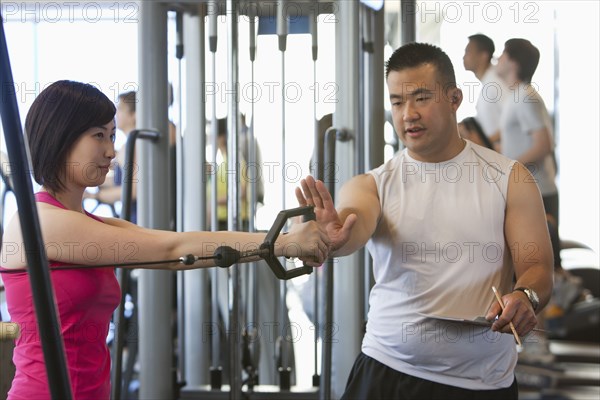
(86,299)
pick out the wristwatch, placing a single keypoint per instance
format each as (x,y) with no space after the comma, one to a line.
(534,299)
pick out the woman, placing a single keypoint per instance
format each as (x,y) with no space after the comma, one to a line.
(469,128)
(70,129)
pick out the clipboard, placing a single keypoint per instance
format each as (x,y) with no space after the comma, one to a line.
(477,321)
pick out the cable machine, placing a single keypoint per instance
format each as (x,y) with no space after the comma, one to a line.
(237,371)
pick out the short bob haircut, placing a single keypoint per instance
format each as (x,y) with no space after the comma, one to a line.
(57,118)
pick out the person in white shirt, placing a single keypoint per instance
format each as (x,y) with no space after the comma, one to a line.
(478,59)
(525,126)
(445,220)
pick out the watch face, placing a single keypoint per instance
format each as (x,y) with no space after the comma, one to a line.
(533,297)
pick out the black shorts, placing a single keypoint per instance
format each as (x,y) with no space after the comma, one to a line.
(372,380)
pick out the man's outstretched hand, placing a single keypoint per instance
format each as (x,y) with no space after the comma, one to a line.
(314,193)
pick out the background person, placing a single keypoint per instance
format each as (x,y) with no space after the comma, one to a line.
(526,128)
(478,59)
(110,192)
(470,129)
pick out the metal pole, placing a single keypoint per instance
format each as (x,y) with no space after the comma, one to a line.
(155,287)
(313,24)
(180,176)
(408,21)
(282,32)
(253,283)
(233,214)
(215,369)
(327,347)
(196,310)
(39,276)
(373,130)
(124,275)
(346,119)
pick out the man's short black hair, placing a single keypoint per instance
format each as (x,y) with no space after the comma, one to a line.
(483,43)
(413,55)
(129,98)
(56,119)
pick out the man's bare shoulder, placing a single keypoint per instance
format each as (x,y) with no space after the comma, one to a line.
(361,182)
(523,190)
(360,191)
(521,176)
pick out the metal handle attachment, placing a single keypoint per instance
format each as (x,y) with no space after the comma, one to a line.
(226,256)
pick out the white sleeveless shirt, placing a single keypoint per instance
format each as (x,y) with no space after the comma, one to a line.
(438,249)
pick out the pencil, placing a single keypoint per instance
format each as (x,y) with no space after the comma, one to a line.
(512,327)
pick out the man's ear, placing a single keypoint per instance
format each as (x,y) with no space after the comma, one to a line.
(456,97)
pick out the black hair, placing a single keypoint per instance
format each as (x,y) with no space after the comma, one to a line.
(483,43)
(473,125)
(526,55)
(413,55)
(222,126)
(57,118)
(130,99)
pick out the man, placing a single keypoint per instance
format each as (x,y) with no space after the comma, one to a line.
(111,191)
(444,220)
(478,59)
(525,126)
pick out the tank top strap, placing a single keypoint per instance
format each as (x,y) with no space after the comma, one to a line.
(45,197)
